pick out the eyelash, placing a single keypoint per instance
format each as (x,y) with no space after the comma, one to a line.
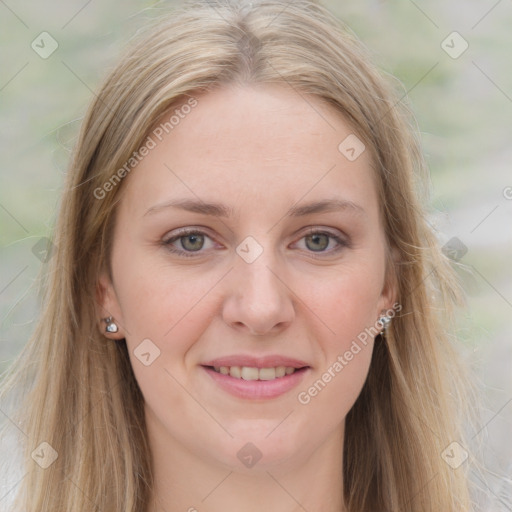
(342,243)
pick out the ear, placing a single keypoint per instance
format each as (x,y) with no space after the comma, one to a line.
(108,306)
(389,294)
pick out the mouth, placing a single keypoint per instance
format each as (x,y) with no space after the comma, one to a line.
(256,378)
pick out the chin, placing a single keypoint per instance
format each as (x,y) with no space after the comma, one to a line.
(255,447)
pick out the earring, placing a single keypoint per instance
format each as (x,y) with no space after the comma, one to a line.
(111,325)
(384,322)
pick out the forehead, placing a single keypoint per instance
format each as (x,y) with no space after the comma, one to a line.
(249,146)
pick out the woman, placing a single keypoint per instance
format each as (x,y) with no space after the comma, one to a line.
(246,309)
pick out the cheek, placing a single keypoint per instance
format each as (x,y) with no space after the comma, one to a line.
(165,314)
(172,310)
(347,303)
(347,306)
(339,310)
(165,306)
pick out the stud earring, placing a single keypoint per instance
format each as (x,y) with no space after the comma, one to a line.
(384,322)
(111,326)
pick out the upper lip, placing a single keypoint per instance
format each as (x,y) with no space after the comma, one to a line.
(269,361)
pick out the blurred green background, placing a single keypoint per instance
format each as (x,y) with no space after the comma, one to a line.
(464,110)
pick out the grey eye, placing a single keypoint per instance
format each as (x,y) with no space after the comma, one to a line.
(317,242)
(192,242)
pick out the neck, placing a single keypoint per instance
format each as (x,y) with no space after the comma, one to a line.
(185,482)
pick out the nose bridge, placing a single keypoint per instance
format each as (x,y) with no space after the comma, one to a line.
(259,282)
(257,299)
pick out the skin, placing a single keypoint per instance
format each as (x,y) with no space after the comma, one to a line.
(258,150)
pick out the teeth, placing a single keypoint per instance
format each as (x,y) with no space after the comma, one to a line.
(267,373)
(280,371)
(251,373)
(235,372)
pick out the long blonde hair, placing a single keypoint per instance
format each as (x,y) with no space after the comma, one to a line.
(79,392)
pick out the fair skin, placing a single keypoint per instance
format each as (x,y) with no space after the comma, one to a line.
(258,151)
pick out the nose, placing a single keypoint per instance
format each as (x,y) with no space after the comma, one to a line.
(258,301)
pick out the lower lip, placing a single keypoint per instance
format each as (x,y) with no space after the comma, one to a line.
(257,389)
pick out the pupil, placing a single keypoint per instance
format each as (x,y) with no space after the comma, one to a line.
(321,241)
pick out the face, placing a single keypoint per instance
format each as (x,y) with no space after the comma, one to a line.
(248,256)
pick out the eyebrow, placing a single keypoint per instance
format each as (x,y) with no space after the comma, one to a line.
(220,210)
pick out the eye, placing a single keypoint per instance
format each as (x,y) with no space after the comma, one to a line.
(189,241)
(194,242)
(322,242)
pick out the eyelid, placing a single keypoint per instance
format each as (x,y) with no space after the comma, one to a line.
(189,230)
